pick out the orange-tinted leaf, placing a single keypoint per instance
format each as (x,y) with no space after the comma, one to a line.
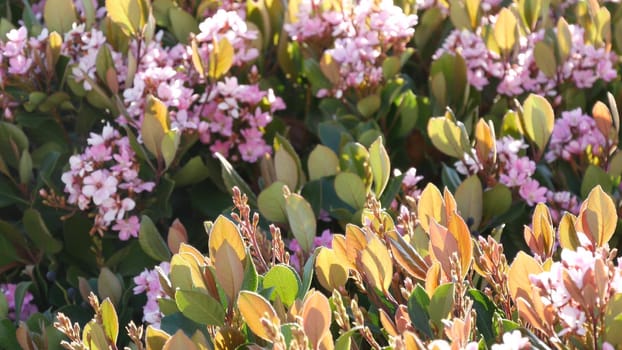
(229,270)
(316,317)
(225,231)
(460,231)
(598,216)
(567,232)
(356,241)
(330,271)
(253,308)
(430,206)
(442,245)
(518,276)
(179,340)
(541,237)
(603,118)
(376,264)
(485,141)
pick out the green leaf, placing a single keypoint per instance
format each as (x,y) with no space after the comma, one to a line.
(345,339)
(418,304)
(538,120)
(380,166)
(103,62)
(497,200)
(354,158)
(20,294)
(25,168)
(593,177)
(200,307)
(182,24)
(271,202)
(368,105)
(89,13)
(37,231)
(351,189)
(545,59)
(4,306)
(251,278)
(470,199)
(302,221)
(285,283)
(322,162)
(485,309)
(193,172)
(441,303)
(59,15)
(290,163)
(231,178)
(151,241)
(109,286)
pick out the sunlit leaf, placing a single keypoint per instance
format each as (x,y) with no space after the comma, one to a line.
(505,30)
(253,308)
(538,118)
(316,317)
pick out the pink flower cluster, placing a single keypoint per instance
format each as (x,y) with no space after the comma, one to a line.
(104,179)
(8,289)
(82,47)
(233,117)
(575,134)
(325,240)
(572,286)
(519,73)
(560,202)
(20,60)
(160,73)
(517,171)
(363,35)
(148,282)
(232,26)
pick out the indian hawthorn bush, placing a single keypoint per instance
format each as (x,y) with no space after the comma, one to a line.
(226,174)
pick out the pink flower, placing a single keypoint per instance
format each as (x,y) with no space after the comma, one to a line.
(532,192)
(8,289)
(148,282)
(99,186)
(127,227)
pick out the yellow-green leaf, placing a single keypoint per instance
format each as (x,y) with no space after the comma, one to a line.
(470,199)
(110,320)
(155,125)
(322,162)
(330,272)
(186,273)
(129,15)
(59,15)
(545,59)
(271,202)
(220,59)
(380,165)
(302,220)
(351,189)
(253,308)
(567,232)
(286,168)
(182,24)
(448,136)
(505,30)
(564,40)
(538,120)
(94,337)
(155,338)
